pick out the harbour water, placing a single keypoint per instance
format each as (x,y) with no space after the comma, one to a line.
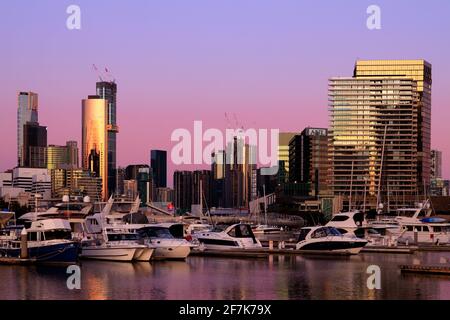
(212,278)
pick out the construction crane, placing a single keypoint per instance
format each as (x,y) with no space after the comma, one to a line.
(105,75)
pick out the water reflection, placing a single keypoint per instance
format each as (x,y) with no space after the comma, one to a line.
(278,277)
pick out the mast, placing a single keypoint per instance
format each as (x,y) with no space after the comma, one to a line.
(351,188)
(381,168)
(265,204)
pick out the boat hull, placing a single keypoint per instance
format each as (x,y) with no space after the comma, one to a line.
(143,254)
(171,252)
(349,247)
(108,253)
(56,253)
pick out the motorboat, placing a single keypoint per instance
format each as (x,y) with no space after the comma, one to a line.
(351,222)
(166,245)
(104,242)
(329,239)
(236,236)
(426,230)
(48,241)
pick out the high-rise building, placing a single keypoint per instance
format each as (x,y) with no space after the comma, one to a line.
(419,71)
(436,164)
(94,148)
(182,184)
(72,154)
(108,91)
(141,174)
(34,145)
(283,152)
(308,157)
(379,136)
(240,183)
(59,157)
(27,111)
(158,163)
(201,188)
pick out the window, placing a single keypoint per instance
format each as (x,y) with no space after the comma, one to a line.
(57,234)
(319,233)
(340,218)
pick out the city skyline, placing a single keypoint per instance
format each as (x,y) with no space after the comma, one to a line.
(261,89)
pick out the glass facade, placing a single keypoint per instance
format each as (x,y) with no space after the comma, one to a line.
(27,111)
(373,136)
(95,139)
(108,91)
(158,163)
(419,71)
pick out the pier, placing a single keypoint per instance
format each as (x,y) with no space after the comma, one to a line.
(441,270)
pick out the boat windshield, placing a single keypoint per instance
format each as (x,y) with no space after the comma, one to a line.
(325,232)
(122,236)
(155,232)
(241,231)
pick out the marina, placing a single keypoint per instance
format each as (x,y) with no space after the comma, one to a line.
(205,278)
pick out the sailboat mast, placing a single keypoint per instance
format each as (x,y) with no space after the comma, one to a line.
(381,167)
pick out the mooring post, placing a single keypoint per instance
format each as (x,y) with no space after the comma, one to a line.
(24,244)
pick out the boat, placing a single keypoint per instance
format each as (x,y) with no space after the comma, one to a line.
(328,239)
(49,241)
(425,232)
(103,242)
(236,236)
(167,247)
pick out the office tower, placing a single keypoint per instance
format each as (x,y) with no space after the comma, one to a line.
(283,154)
(202,184)
(57,157)
(72,154)
(218,179)
(108,91)
(240,174)
(308,160)
(420,72)
(182,185)
(27,111)
(141,174)
(34,145)
(75,182)
(121,176)
(158,163)
(436,164)
(94,147)
(374,138)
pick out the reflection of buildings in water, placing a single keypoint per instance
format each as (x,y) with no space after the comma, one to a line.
(234,279)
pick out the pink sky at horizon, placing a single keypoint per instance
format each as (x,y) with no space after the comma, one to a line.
(267,62)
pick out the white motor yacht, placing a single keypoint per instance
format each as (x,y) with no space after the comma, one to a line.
(236,236)
(328,239)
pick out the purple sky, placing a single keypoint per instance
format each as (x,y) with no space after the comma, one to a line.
(176,61)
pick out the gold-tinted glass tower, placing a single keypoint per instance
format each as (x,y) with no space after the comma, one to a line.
(419,71)
(95,139)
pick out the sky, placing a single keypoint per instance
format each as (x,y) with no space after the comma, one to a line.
(263,62)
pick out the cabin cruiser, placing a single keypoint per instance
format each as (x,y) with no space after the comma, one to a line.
(48,241)
(160,237)
(351,222)
(104,242)
(426,230)
(328,239)
(236,236)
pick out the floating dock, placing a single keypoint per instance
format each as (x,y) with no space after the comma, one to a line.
(385,249)
(441,270)
(16,261)
(231,253)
